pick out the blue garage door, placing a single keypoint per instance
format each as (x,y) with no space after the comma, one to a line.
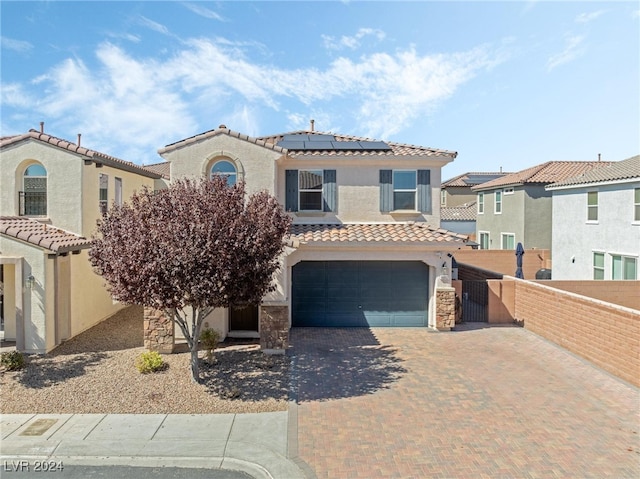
(360,293)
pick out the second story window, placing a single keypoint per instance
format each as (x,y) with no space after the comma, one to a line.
(498,204)
(104,193)
(636,204)
(480,203)
(227,169)
(405,187)
(592,206)
(33,198)
(443,197)
(118,192)
(310,190)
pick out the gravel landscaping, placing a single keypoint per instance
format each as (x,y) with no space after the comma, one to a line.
(95,373)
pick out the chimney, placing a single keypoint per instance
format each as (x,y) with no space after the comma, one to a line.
(42,127)
(312,123)
(79,136)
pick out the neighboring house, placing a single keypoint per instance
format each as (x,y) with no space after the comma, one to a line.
(458,202)
(366,246)
(52,192)
(516,208)
(596,223)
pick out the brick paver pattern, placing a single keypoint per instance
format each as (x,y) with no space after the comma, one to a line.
(495,402)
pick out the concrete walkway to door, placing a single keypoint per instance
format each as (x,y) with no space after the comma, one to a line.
(480,402)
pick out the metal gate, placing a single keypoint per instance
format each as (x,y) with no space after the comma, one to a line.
(475,297)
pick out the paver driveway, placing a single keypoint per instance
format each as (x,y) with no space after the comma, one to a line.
(483,402)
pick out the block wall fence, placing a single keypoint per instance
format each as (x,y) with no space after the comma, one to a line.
(504,261)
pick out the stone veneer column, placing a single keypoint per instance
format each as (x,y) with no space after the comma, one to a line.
(158,331)
(445,309)
(274,329)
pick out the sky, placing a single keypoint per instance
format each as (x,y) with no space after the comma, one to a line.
(507,85)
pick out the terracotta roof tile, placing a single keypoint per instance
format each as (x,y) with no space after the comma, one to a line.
(620,170)
(397,149)
(42,235)
(163,168)
(459,213)
(221,130)
(374,232)
(549,172)
(462,180)
(93,155)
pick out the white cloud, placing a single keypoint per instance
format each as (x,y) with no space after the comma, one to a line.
(203,12)
(588,17)
(572,50)
(351,42)
(14,95)
(125,36)
(19,46)
(151,25)
(141,104)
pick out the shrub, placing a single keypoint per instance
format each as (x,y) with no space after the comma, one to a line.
(150,362)
(209,339)
(12,360)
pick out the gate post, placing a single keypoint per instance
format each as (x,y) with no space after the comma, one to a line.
(274,329)
(445,308)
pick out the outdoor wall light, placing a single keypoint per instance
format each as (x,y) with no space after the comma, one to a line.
(445,270)
(31,281)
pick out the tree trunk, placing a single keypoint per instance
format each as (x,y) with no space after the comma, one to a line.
(195,366)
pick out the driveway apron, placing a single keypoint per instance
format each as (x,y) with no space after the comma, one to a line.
(484,402)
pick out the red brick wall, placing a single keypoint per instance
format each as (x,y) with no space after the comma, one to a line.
(504,262)
(605,334)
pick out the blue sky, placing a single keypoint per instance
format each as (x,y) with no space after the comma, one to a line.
(505,84)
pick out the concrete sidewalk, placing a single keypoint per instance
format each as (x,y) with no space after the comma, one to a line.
(252,443)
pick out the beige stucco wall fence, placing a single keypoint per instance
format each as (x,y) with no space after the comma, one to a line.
(504,261)
(598,330)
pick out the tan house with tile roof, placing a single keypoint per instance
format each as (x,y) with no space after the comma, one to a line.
(596,223)
(366,246)
(516,208)
(52,192)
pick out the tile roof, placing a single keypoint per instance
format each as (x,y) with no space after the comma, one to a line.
(620,170)
(462,180)
(549,172)
(42,235)
(397,149)
(459,213)
(96,156)
(163,168)
(374,232)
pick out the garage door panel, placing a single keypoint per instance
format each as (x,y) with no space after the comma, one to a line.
(360,293)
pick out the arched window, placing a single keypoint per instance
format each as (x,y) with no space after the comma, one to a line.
(225,168)
(33,198)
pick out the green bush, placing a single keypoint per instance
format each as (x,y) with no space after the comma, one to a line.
(209,339)
(150,362)
(12,361)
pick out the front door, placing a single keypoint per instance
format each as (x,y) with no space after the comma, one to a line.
(243,319)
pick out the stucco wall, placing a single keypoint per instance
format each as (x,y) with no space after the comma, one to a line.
(64,180)
(459,195)
(575,240)
(537,218)
(504,262)
(255,164)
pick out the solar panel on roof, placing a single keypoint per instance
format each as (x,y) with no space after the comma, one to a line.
(346,145)
(300,137)
(479,179)
(318,145)
(291,145)
(321,138)
(374,145)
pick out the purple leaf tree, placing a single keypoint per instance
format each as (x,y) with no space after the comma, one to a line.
(191,248)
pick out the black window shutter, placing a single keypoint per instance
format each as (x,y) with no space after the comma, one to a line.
(329,190)
(291,186)
(424,191)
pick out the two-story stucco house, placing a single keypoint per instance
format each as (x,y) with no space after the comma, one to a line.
(516,208)
(365,247)
(52,192)
(596,223)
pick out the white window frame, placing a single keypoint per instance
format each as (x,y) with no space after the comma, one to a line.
(443,197)
(592,207)
(506,235)
(481,203)
(25,190)
(118,191)
(405,190)
(595,267)
(636,205)
(310,190)
(228,175)
(507,191)
(624,259)
(497,209)
(103,199)
(486,234)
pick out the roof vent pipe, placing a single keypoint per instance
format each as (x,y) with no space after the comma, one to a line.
(42,127)
(598,156)
(312,123)
(79,136)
